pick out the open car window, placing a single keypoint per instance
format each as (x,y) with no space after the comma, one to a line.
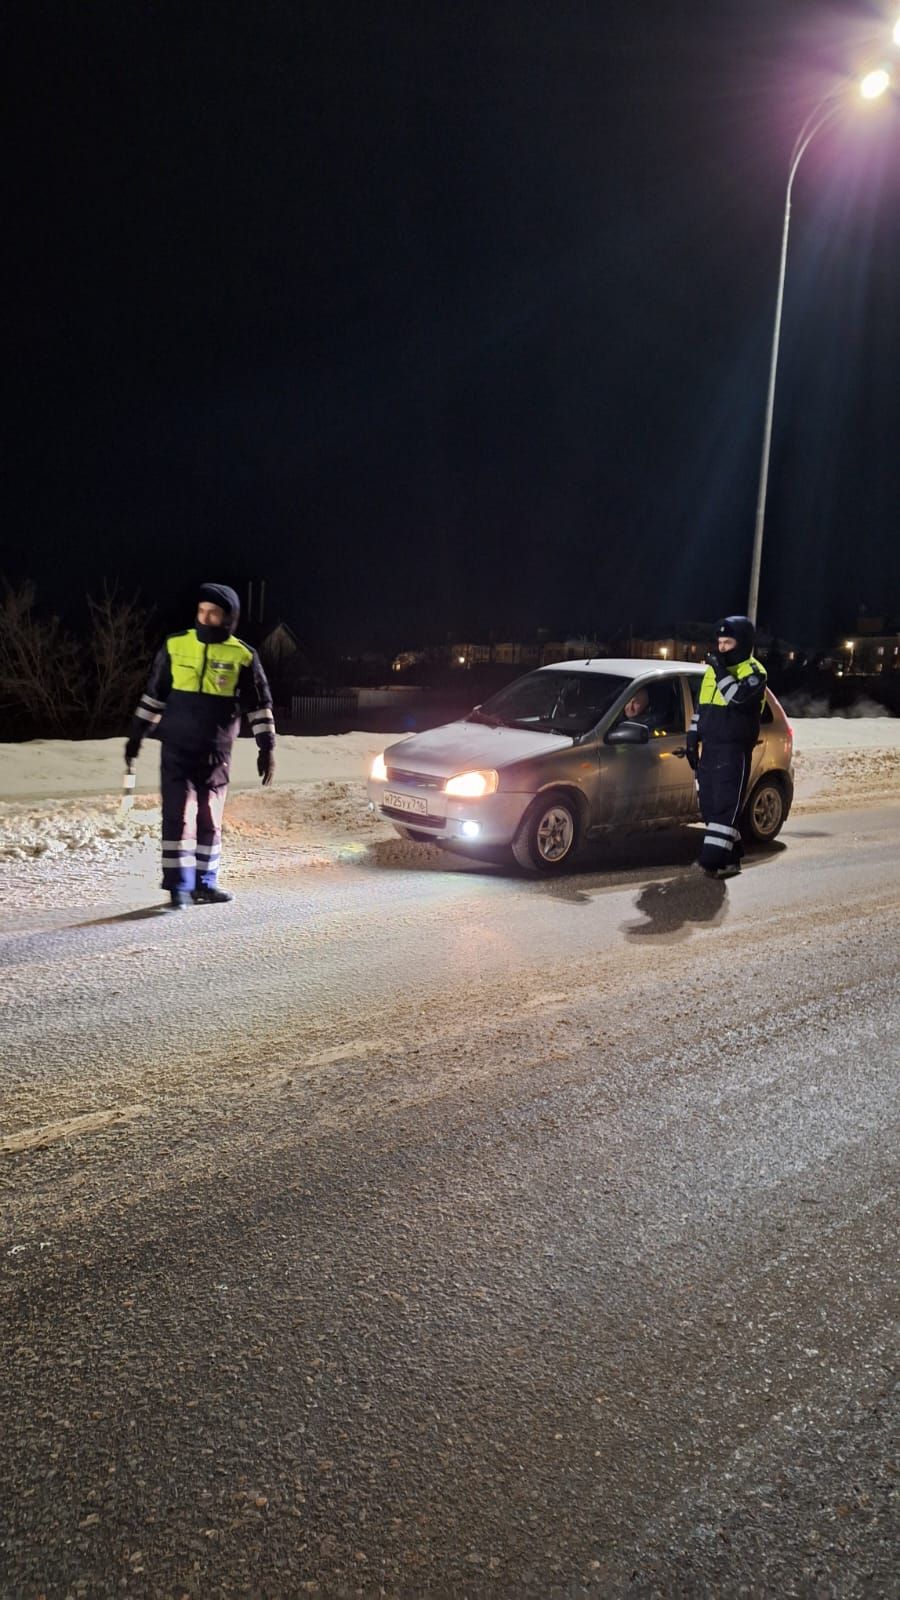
(659,705)
(554,702)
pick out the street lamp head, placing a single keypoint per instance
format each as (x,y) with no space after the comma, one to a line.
(848,644)
(874,84)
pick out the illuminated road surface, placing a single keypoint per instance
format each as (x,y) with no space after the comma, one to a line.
(442,1232)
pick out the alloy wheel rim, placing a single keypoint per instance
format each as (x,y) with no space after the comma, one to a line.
(767,810)
(555,833)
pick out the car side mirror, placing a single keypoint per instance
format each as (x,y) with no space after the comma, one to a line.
(629,733)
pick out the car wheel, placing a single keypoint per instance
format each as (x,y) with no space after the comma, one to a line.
(765,811)
(548,835)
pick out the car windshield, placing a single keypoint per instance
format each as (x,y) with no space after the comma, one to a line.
(570,703)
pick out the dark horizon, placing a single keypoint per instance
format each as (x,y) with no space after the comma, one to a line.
(451,323)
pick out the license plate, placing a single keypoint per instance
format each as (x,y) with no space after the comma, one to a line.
(405,802)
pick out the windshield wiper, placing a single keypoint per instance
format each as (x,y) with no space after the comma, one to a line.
(485,716)
(540,725)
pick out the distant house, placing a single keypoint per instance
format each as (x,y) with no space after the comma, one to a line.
(279,644)
(866,655)
(406,660)
(692,641)
(469,655)
(513,654)
(575,649)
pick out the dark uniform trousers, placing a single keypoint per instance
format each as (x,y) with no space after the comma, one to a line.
(194,787)
(722,783)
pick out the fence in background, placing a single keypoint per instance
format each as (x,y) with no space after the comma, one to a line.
(319,707)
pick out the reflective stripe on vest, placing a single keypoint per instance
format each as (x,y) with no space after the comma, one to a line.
(710,694)
(206,668)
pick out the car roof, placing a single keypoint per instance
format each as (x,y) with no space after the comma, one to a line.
(625,666)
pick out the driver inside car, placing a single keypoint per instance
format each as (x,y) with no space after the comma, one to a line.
(637,709)
(652,706)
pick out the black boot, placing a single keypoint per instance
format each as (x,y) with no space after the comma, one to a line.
(211,897)
(179,899)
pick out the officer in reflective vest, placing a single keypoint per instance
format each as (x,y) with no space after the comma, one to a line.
(720,743)
(200,683)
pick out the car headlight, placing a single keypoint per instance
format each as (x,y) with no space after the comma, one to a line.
(379,770)
(472,785)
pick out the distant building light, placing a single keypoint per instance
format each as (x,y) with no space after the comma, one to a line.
(663,651)
(461,660)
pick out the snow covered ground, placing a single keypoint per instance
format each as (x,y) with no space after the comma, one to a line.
(62,842)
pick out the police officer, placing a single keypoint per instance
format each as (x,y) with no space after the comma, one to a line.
(200,682)
(720,742)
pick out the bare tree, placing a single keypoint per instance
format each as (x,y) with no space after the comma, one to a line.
(62,686)
(117,648)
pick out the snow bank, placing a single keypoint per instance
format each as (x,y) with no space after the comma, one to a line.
(53,769)
(50,769)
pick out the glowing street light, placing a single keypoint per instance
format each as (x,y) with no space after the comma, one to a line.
(874,84)
(849,646)
(871,87)
(897,31)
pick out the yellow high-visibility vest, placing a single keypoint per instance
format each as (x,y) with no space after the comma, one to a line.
(202,668)
(710,694)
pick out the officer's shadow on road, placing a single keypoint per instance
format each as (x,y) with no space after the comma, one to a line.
(124,916)
(672,909)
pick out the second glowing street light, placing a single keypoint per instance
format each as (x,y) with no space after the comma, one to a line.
(871,87)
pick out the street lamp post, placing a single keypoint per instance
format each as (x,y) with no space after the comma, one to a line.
(871,87)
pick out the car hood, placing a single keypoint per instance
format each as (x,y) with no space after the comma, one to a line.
(464,746)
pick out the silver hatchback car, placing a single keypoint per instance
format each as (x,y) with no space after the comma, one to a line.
(566,754)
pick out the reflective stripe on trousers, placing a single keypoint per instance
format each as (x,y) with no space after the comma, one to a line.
(194,789)
(721,782)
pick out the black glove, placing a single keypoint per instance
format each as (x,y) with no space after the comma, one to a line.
(132,751)
(692,751)
(715,661)
(265,766)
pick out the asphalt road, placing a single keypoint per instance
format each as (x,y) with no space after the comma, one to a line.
(436,1232)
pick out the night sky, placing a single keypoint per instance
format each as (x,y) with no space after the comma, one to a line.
(451,317)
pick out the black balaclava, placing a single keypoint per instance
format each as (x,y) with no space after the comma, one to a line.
(740,629)
(219,594)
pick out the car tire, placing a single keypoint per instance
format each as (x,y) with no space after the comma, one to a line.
(549,834)
(765,812)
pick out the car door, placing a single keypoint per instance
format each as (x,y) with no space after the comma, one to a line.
(648,782)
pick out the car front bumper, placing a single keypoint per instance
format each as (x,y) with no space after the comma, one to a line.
(496,817)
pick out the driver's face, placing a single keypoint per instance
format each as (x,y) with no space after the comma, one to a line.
(636,706)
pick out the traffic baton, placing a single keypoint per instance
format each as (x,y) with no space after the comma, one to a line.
(127,800)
